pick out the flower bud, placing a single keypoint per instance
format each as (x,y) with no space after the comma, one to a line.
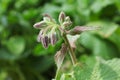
(40,35)
(53,38)
(67,19)
(80,29)
(61,17)
(45,41)
(46,19)
(48,16)
(66,24)
(40,25)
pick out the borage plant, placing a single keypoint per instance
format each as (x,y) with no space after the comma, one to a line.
(51,32)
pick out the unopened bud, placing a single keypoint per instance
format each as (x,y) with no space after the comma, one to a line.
(61,17)
(40,36)
(47,15)
(67,19)
(66,24)
(53,38)
(46,19)
(45,41)
(40,25)
(79,29)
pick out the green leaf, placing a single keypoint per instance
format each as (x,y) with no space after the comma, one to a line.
(16,45)
(68,76)
(51,9)
(98,5)
(39,50)
(4,55)
(41,63)
(117,2)
(4,5)
(97,46)
(83,8)
(1,29)
(3,75)
(115,38)
(103,70)
(108,44)
(107,28)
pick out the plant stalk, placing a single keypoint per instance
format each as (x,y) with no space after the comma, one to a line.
(71,52)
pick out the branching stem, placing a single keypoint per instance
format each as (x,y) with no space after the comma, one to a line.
(72,54)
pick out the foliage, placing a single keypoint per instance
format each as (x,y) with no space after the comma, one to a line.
(102,70)
(21,57)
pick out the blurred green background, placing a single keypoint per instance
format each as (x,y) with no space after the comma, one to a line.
(23,58)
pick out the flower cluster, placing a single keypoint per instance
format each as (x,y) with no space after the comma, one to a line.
(64,21)
(49,29)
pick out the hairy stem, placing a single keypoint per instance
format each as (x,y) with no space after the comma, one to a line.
(71,52)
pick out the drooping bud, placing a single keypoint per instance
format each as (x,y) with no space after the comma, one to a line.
(61,17)
(45,41)
(40,35)
(53,38)
(40,25)
(80,29)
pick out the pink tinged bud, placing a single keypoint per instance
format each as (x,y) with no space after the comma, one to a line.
(66,24)
(40,35)
(53,38)
(79,29)
(45,41)
(48,17)
(83,28)
(61,17)
(40,25)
